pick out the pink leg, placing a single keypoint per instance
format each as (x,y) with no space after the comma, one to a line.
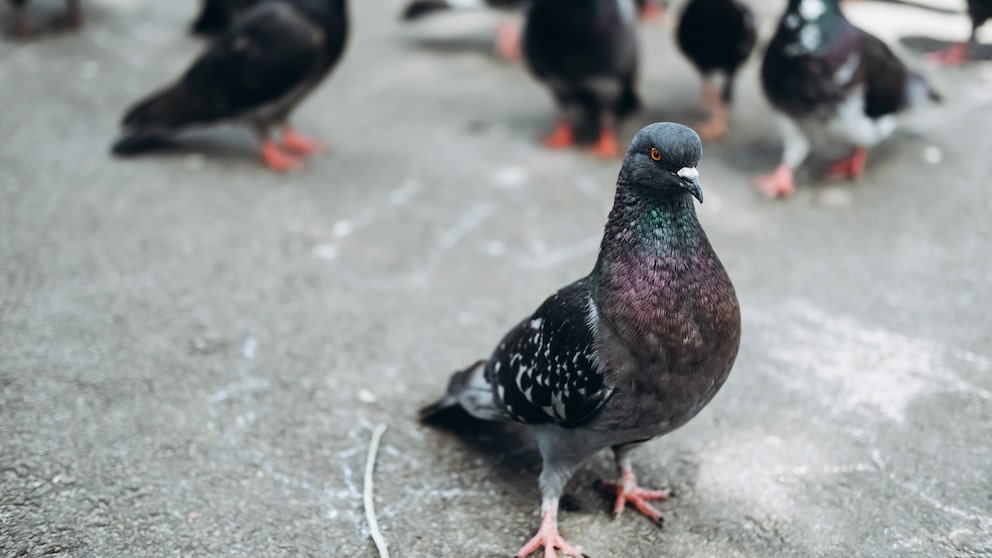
(716,127)
(508,40)
(851,167)
(278,160)
(629,493)
(22,29)
(561,137)
(953,56)
(300,145)
(778,184)
(607,146)
(548,538)
(652,13)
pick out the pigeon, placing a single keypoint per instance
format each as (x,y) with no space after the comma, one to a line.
(626,354)
(22,29)
(980,11)
(586,52)
(507,35)
(832,82)
(216,16)
(257,73)
(717,36)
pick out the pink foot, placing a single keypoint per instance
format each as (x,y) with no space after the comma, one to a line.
(560,138)
(300,145)
(548,538)
(278,160)
(629,493)
(652,13)
(778,184)
(606,146)
(851,167)
(508,41)
(953,56)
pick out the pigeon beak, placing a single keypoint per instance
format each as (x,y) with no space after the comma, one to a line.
(690,178)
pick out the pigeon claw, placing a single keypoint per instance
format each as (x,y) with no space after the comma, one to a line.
(298,144)
(549,538)
(607,146)
(851,167)
(561,137)
(956,55)
(779,184)
(629,493)
(278,160)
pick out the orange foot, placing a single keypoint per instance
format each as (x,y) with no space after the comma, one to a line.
(508,41)
(778,184)
(629,493)
(652,13)
(953,56)
(561,137)
(606,146)
(852,167)
(278,160)
(548,538)
(300,145)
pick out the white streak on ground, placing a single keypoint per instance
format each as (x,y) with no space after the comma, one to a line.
(872,369)
(469,221)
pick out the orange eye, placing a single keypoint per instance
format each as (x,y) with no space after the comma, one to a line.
(655,154)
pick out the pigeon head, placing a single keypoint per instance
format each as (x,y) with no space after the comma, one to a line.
(662,159)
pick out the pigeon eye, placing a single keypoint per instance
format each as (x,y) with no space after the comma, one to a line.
(655,154)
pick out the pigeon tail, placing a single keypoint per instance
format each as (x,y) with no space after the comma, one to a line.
(148,122)
(468,390)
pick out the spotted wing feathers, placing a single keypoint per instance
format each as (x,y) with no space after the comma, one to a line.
(545,369)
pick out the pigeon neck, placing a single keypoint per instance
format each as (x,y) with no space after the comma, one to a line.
(646,234)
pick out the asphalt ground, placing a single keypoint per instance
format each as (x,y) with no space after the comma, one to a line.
(194,350)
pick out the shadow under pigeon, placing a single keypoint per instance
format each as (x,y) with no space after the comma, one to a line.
(222,144)
(456,45)
(509,450)
(928,45)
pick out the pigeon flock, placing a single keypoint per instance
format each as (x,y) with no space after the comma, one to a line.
(639,346)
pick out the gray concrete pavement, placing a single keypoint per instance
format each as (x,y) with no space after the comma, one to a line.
(193,351)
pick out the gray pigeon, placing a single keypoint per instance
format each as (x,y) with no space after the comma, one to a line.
(626,354)
(256,73)
(586,52)
(832,82)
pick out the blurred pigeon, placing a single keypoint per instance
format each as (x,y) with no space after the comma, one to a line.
(507,35)
(717,36)
(257,73)
(831,81)
(586,52)
(216,16)
(74,16)
(626,354)
(980,11)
